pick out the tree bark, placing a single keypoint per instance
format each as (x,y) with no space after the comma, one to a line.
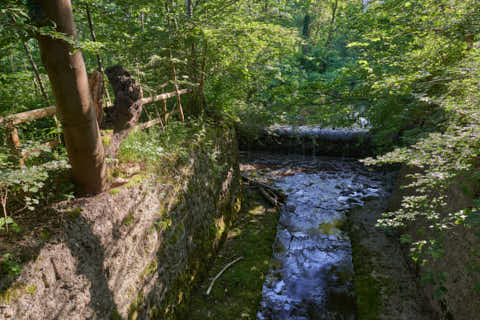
(99,59)
(35,71)
(189,8)
(96,84)
(92,34)
(332,24)
(306,26)
(307,19)
(69,81)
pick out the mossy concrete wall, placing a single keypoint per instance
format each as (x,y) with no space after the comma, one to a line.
(451,281)
(134,253)
(312,140)
(384,285)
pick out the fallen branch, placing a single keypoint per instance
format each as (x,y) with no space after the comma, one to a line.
(276,192)
(220,273)
(272,199)
(149,124)
(28,115)
(165,96)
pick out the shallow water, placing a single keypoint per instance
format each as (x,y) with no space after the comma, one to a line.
(312,273)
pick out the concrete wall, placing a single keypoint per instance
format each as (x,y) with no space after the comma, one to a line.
(136,251)
(311,140)
(461,247)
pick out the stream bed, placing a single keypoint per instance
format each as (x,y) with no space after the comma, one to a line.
(312,273)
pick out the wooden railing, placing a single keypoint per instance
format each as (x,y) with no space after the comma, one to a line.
(11,121)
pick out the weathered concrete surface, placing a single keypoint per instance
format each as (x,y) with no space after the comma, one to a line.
(135,252)
(312,140)
(385,286)
(460,262)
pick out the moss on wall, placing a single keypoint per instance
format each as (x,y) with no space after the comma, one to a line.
(137,251)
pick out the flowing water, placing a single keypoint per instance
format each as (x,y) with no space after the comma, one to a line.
(312,276)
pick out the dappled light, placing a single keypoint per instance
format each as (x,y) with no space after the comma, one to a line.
(298,160)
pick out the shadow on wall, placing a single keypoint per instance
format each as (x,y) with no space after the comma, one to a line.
(133,252)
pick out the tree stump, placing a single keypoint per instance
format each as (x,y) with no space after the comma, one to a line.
(127,108)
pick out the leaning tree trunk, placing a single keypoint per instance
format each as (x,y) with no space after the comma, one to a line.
(126,110)
(306,28)
(35,71)
(68,78)
(332,25)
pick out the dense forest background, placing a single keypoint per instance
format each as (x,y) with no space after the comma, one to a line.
(408,70)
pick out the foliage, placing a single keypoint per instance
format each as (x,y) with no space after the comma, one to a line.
(238,38)
(9,265)
(36,184)
(168,145)
(8,221)
(435,72)
(409,70)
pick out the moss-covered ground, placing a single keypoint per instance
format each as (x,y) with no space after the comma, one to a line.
(367,288)
(236,294)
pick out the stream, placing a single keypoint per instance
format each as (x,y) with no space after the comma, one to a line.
(311,275)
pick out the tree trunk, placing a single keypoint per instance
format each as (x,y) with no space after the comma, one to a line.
(92,34)
(99,59)
(68,78)
(34,80)
(12,61)
(96,84)
(332,24)
(35,71)
(306,26)
(306,34)
(189,9)
(175,85)
(202,79)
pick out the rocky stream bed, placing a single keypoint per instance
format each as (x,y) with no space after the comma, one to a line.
(329,259)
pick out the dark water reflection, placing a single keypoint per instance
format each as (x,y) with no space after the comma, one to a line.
(312,275)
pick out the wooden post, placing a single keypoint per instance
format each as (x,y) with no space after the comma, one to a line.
(15,144)
(164,110)
(159,116)
(174,73)
(202,79)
